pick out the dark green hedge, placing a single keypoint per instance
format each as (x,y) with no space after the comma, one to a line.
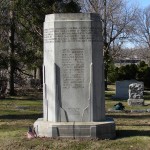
(140,72)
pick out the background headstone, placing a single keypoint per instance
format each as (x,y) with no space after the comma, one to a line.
(122,88)
(136,94)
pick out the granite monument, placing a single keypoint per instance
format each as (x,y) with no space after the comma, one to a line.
(73,78)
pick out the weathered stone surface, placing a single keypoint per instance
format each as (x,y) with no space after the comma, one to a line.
(73,68)
(148,110)
(136,91)
(136,94)
(136,102)
(102,130)
(73,77)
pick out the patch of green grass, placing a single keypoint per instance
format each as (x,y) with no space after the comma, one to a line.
(132,129)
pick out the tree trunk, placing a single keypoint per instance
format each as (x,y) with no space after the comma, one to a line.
(34,73)
(105,48)
(41,75)
(11,66)
(11,78)
(106,63)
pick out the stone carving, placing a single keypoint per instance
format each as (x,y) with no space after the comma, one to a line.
(136,91)
(136,94)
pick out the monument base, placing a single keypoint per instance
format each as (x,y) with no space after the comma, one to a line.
(136,102)
(93,130)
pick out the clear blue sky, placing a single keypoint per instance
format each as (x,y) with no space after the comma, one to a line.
(141,3)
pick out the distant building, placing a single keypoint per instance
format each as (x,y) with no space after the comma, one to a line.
(126,61)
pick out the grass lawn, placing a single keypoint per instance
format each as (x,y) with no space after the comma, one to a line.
(17,113)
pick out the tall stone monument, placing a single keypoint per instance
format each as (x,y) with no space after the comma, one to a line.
(73,84)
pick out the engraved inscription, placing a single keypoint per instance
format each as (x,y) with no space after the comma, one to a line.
(72,34)
(74,111)
(73,68)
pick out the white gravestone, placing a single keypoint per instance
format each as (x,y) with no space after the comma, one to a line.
(73,84)
(136,94)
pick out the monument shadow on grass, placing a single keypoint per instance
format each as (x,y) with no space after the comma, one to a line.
(22,116)
(131,133)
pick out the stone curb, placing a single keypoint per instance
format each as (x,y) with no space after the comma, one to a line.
(129,111)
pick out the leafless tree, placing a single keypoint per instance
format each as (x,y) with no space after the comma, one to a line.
(117,20)
(142,32)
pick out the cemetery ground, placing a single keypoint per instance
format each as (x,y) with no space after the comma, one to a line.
(18,113)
